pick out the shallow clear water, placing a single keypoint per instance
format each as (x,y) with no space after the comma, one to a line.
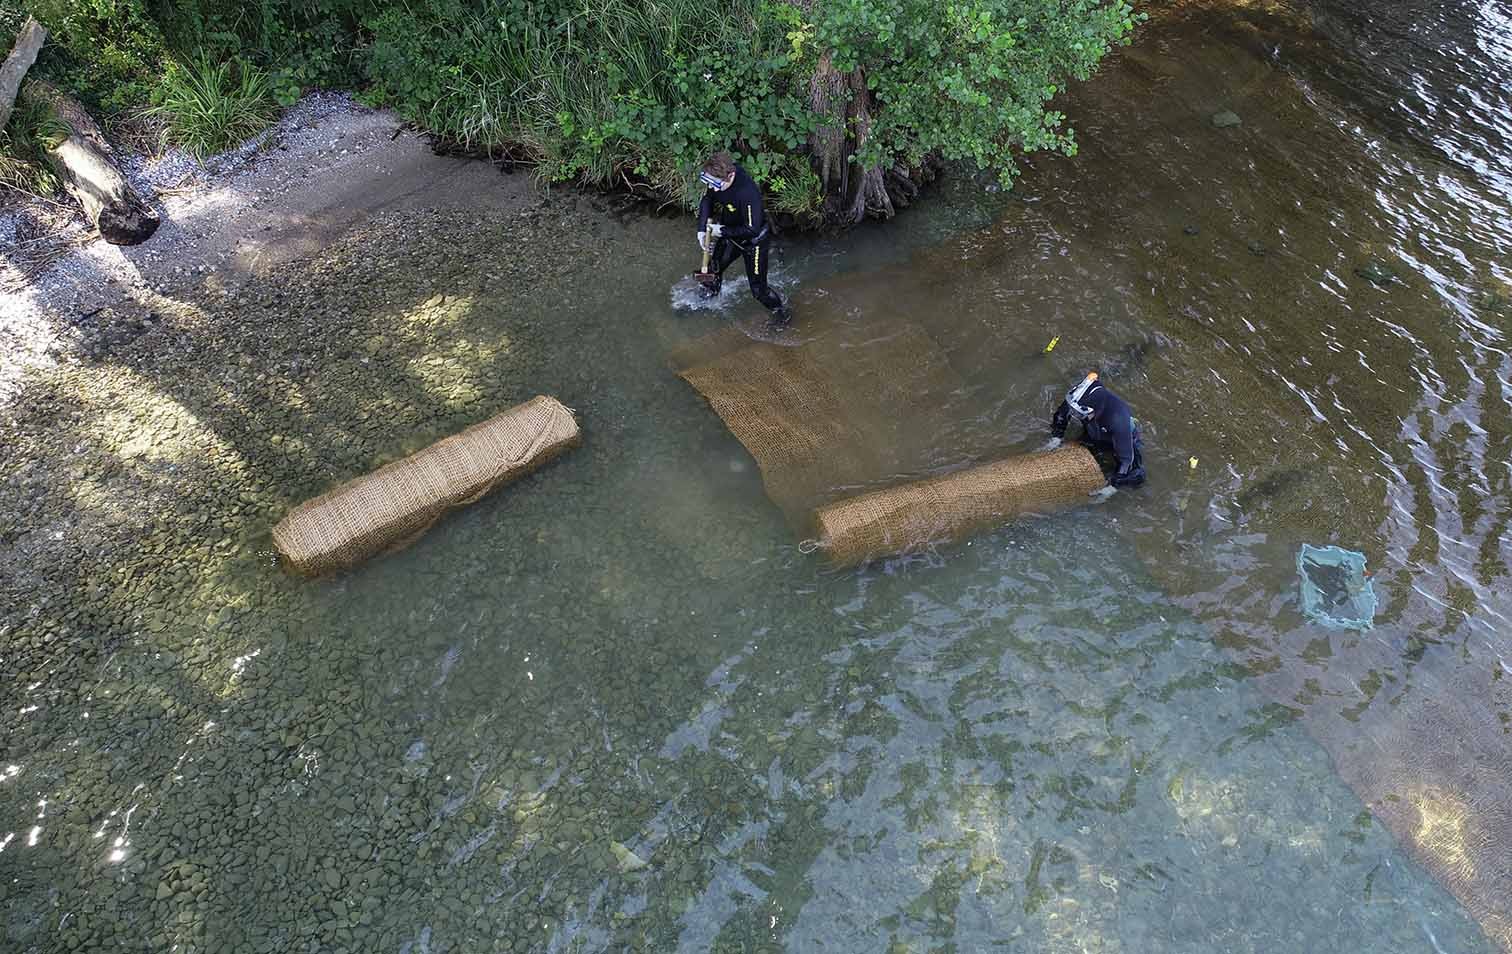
(614,707)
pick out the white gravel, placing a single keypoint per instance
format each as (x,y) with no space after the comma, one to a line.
(323,168)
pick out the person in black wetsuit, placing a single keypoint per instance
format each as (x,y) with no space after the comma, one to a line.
(732,217)
(1107,425)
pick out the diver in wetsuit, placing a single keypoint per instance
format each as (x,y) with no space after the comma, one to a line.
(1107,425)
(732,216)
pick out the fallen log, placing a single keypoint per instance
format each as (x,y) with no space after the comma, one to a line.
(87,165)
(28,42)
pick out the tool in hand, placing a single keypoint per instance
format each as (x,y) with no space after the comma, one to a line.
(707,279)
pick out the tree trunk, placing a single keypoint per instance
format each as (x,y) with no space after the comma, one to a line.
(21,58)
(89,172)
(868,188)
(845,104)
(829,97)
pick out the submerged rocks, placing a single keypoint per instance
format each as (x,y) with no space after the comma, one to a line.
(205,735)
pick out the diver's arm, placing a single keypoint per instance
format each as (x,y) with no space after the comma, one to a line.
(1060,420)
(703,210)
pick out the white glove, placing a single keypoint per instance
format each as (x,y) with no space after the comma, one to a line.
(1052,444)
(1103,493)
(715,229)
(703,240)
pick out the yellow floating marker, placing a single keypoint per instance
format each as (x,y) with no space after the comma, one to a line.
(1051,346)
(1192,463)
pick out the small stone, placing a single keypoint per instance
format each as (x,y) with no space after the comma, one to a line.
(1190,230)
(1225,119)
(628,860)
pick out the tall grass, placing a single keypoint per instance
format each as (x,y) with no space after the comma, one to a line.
(587,96)
(797,191)
(24,168)
(209,106)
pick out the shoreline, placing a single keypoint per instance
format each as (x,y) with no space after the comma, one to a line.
(327,166)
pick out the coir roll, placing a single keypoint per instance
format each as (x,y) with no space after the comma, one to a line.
(394,506)
(953,506)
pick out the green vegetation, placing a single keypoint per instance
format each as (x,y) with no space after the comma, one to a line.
(23,143)
(795,190)
(599,91)
(616,93)
(968,80)
(207,107)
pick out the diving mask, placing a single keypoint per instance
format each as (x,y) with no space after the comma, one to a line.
(1075,395)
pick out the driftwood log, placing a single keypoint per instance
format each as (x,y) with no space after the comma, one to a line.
(87,165)
(28,42)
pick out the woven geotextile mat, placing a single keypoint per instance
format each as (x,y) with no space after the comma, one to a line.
(953,506)
(1433,765)
(850,404)
(394,506)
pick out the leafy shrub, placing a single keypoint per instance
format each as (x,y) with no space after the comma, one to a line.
(114,53)
(969,80)
(12,18)
(109,52)
(603,91)
(606,91)
(413,52)
(304,42)
(614,91)
(206,107)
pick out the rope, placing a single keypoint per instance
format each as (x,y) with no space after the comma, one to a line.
(809,546)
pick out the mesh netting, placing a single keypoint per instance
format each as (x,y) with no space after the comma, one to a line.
(394,506)
(914,515)
(1335,589)
(1435,772)
(836,421)
(851,405)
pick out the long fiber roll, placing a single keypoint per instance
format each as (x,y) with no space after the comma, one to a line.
(393,506)
(954,506)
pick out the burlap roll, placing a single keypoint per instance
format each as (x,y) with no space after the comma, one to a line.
(394,506)
(952,507)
